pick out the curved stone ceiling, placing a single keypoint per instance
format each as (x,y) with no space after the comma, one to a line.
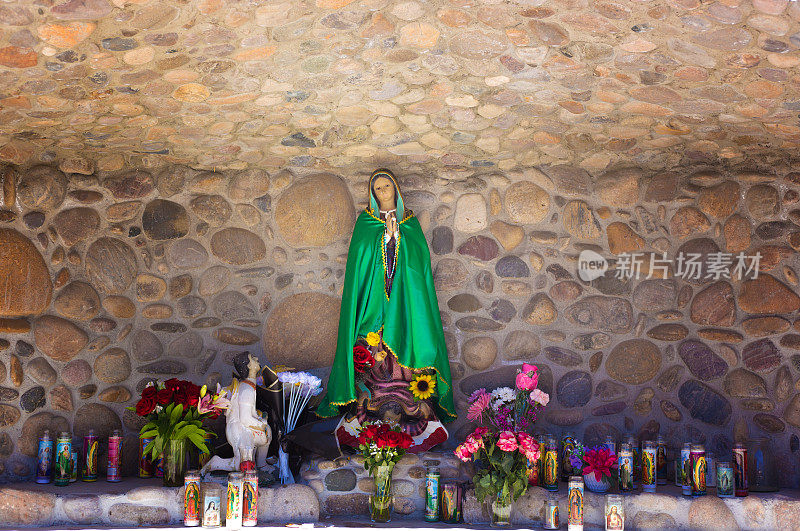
(104,84)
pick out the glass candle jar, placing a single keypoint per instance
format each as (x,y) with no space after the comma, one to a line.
(615,513)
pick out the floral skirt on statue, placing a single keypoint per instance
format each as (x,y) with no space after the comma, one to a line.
(392,393)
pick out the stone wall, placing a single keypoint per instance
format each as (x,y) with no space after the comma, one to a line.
(113,278)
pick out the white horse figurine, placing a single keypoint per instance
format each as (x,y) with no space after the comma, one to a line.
(244,427)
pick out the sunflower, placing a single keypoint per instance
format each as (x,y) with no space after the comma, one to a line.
(423,386)
(373,339)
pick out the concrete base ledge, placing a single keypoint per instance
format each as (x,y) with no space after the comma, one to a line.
(143,503)
(666,509)
(133,503)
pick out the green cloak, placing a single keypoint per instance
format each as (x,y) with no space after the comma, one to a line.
(409,317)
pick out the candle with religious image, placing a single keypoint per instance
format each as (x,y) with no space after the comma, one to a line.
(686,469)
(233,509)
(649,466)
(725,479)
(250,499)
(661,461)
(575,504)
(551,516)
(625,468)
(63,460)
(551,465)
(615,513)
(741,485)
(114,471)
(567,447)
(44,464)
(191,499)
(90,449)
(212,500)
(699,470)
(542,440)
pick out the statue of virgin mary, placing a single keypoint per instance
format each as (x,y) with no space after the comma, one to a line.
(391,361)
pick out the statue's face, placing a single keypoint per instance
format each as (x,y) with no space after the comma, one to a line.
(253,367)
(384,191)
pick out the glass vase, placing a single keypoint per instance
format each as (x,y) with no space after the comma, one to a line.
(174,462)
(500,510)
(380,503)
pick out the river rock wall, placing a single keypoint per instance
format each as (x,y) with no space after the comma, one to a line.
(111,279)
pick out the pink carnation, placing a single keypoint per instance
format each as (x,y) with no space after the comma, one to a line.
(479,432)
(462,453)
(528,446)
(540,397)
(507,441)
(528,379)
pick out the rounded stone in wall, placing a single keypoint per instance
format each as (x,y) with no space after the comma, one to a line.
(521,345)
(479,352)
(42,188)
(95,417)
(655,295)
(146,346)
(77,300)
(164,220)
(27,288)
(526,202)
(574,389)
(34,427)
(609,314)
(634,361)
(58,338)
(150,288)
(237,246)
(741,383)
(110,265)
(464,303)
(76,224)
(191,306)
(449,274)
(704,403)
(112,366)
(470,215)
(715,305)
(130,185)
(703,362)
(766,294)
(76,373)
(119,306)
(315,211)
(762,201)
(248,184)
(540,310)
(213,209)
(189,345)
(213,280)
(187,253)
(232,305)
(312,347)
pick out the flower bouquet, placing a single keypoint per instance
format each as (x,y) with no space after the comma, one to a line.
(501,448)
(299,387)
(175,410)
(595,464)
(382,446)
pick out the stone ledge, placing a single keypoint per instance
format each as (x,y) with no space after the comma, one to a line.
(134,502)
(666,509)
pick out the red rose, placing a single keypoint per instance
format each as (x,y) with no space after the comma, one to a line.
(181,397)
(164,396)
(362,359)
(367,434)
(394,439)
(192,395)
(149,392)
(146,405)
(173,384)
(382,440)
(406,441)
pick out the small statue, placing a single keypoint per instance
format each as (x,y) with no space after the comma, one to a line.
(244,426)
(391,360)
